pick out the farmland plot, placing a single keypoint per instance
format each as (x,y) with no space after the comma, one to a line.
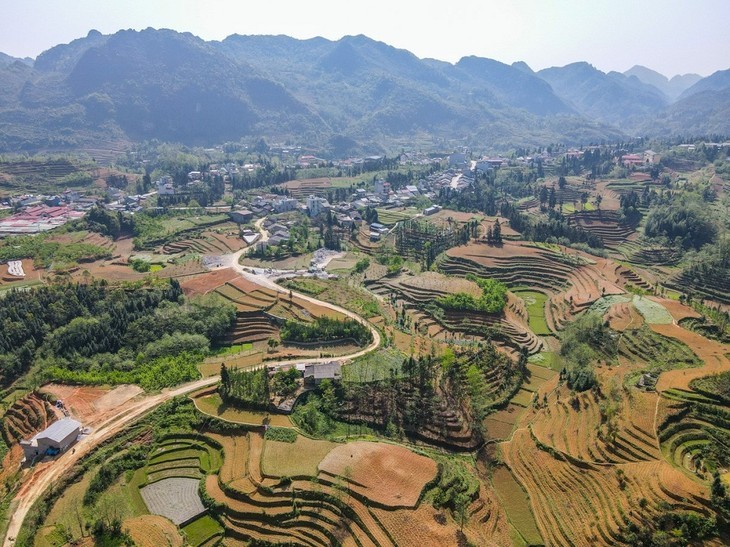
(175,498)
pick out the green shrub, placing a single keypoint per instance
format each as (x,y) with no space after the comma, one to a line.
(281,434)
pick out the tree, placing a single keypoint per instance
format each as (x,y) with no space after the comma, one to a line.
(562,183)
(599,199)
(497,232)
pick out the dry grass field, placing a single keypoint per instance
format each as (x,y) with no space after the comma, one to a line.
(280,459)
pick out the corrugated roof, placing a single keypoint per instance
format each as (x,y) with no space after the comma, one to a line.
(59,430)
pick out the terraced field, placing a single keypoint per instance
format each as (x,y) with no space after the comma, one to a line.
(416,294)
(348,500)
(26,417)
(578,503)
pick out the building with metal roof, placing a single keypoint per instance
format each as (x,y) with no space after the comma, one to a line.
(56,438)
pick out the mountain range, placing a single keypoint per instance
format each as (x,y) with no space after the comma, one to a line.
(348,95)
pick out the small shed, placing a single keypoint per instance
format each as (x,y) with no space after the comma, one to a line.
(316,372)
(56,438)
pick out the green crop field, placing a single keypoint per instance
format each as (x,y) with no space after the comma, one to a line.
(201,530)
(535,303)
(516,504)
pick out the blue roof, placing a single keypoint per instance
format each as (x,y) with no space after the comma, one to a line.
(59,430)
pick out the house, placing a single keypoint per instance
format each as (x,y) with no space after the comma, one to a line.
(56,438)
(317,206)
(316,372)
(165,186)
(431,210)
(285,204)
(378,228)
(651,157)
(195,175)
(242,216)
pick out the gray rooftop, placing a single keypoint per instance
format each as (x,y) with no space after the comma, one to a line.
(59,430)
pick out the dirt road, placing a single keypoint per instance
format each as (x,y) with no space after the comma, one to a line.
(45,475)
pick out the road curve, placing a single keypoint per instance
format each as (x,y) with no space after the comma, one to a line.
(37,484)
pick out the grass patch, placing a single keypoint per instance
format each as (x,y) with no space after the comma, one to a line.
(374,366)
(201,530)
(213,406)
(517,505)
(231,350)
(547,359)
(535,303)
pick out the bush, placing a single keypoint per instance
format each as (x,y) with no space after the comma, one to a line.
(281,434)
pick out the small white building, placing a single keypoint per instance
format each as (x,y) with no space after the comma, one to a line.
(57,437)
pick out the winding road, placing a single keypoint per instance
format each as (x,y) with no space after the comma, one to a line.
(44,476)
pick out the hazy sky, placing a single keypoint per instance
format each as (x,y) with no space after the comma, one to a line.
(670,36)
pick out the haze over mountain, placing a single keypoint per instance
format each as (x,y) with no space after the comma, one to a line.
(351,94)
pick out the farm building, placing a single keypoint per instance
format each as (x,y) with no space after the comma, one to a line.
(56,438)
(315,373)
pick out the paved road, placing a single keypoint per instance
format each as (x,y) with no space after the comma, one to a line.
(44,476)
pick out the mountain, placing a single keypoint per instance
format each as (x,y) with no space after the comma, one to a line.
(717,81)
(353,95)
(671,88)
(611,98)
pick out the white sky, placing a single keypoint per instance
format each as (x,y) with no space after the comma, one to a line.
(670,36)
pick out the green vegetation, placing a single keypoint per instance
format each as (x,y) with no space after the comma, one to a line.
(45,253)
(96,333)
(685,225)
(361,265)
(325,329)
(584,342)
(244,388)
(281,434)
(717,385)
(492,300)
(201,530)
(455,490)
(535,303)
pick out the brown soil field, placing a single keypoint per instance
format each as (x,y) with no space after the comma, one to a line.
(481,253)
(676,309)
(434,281)
(204,283)
(622,316)
(153,531)
(714,355)
(387,474)
(79,400)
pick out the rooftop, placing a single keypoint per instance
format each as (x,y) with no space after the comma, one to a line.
(59,430)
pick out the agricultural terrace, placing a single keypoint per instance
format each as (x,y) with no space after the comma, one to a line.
(439,307)
(386,474)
